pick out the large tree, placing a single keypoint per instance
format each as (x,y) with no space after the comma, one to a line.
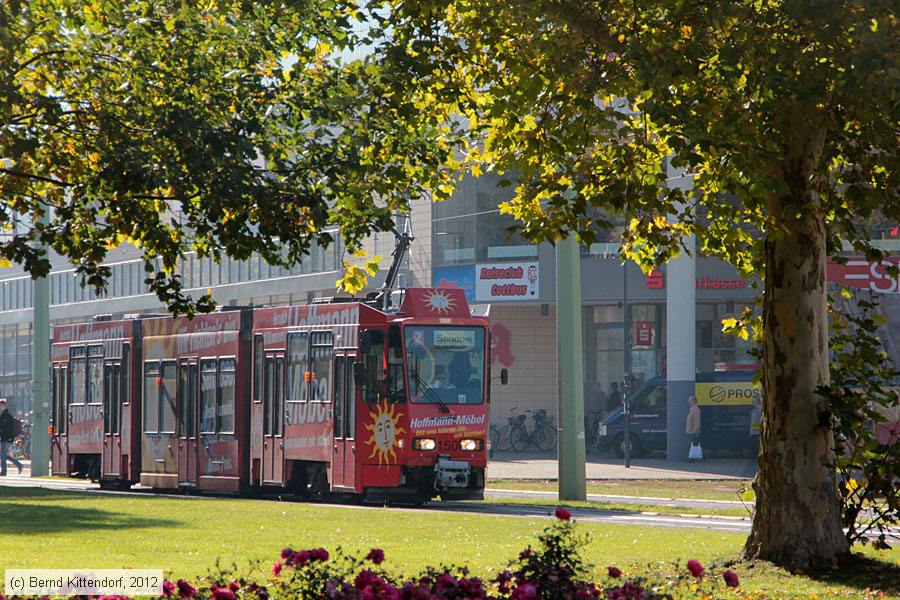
(785,112)
(223,126)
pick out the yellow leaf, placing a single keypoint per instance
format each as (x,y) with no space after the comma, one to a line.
(530,124)
(686,31)
(5,264)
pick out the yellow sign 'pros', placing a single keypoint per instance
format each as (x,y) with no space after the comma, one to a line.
(727,393)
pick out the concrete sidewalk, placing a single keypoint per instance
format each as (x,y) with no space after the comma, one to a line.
(525,465)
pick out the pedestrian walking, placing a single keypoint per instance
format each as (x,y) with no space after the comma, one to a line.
(692,429)
(614,399)
(8,433)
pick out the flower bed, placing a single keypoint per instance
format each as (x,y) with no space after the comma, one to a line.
(553,569)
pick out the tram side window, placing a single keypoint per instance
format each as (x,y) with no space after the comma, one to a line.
(225,407)
(187,399)
(95,375)
(297,390)
(208,396)
(339,392)
(372,348)
(320,386)
(59,400)
(396,379)
(78,371)
(167,391)
(125,396)
(111,398)
(258,366)
(54,398)
(151,397)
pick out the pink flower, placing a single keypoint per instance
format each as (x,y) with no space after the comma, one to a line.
(286,553)
(731,578)
(614,572)
(168,588)
(695,568)
(234,586)
(276,568)
(223,593)
(185,590)
(524,592)
(319,554)
(376,555)
(562,514)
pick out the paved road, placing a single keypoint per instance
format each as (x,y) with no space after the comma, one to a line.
(682,503)
(526,465)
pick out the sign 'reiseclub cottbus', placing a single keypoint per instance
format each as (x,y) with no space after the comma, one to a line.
(507,282)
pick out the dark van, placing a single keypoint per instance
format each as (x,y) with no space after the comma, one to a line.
(729,415)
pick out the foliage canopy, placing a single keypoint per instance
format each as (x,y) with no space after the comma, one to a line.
(225,127)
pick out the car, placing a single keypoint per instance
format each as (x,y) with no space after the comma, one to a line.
(730,404)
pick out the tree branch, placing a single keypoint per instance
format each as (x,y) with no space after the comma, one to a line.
(36,177)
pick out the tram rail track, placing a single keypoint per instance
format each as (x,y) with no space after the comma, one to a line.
(709,522)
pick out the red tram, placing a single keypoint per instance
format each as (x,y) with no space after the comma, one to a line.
(328,398)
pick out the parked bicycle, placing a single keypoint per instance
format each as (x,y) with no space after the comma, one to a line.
(21,446)
(542,434)
(500,435)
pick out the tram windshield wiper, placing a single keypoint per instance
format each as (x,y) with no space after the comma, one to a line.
(428,392)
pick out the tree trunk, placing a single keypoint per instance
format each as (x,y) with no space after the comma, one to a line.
(797,522)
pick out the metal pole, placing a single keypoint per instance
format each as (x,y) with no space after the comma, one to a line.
(570,357)
(626,362)
(40,368)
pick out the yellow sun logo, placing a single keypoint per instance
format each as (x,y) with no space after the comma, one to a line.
(440,303)
(385,429)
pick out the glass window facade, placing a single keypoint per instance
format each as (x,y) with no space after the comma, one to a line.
(469,228)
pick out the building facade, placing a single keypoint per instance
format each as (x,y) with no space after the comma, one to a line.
(464,242)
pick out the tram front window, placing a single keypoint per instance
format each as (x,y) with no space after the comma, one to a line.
(445,365)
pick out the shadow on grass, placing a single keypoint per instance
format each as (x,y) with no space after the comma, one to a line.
(864,573)
(34,511)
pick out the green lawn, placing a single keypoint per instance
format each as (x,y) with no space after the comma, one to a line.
(185,537)
(724,489)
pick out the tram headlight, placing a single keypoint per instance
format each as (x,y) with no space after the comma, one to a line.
(426,444)
(601,430)
(470,445)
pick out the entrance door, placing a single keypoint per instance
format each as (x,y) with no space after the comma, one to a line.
(343,466)
(273,419)
(112,417)
(188,448)
(58,442)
